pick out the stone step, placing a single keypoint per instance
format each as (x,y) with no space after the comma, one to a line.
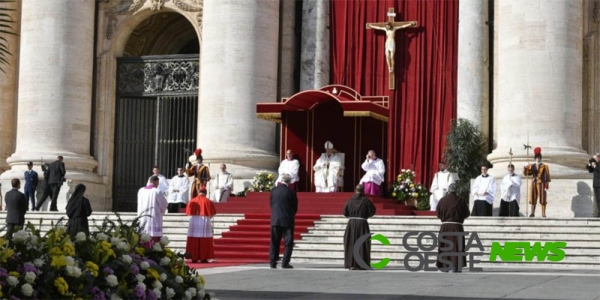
(398,263)
(476,228)
(399,255)
(488,234)
(389,220)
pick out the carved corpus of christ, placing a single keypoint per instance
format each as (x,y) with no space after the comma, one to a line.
(390,28)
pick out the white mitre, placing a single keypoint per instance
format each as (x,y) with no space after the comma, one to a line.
(328,145)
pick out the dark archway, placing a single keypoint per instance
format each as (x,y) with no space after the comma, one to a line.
(156,110)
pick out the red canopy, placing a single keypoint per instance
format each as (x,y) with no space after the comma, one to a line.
(352,103)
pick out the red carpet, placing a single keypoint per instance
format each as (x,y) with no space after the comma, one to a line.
(248,241)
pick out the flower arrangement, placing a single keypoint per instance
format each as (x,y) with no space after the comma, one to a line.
(263,182)
(116,262)
(406,190)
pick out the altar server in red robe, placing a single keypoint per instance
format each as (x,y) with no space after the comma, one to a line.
(200,231)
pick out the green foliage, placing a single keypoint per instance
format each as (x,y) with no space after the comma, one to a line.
(5,29)
(464,154)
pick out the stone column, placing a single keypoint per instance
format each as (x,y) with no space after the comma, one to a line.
(473,72)
(540,84)
(315,53)
(289,54)
(8,86)
(55,89)
(239,57)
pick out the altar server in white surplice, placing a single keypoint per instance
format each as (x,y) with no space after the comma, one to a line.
(179,191)
(163,186)
(510,193)
(289,166)
(222,185)
(151,207)
(483,191)
(374,176)
(326,169)
(439,186)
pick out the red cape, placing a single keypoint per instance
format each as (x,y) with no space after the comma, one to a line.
(200,206)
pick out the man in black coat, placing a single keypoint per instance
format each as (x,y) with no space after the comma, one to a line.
(284,205)
(54,180)
(594,167)
(16,206)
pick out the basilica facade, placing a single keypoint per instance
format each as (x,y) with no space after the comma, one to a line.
(118,86)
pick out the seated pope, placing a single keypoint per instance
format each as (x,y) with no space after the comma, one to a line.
(327,169)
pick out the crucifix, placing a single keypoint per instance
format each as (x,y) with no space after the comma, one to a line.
(390,28)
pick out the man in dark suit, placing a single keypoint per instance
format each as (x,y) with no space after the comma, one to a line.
(284,205)
(16,206)
(594,167)
(56,176)
(31,182)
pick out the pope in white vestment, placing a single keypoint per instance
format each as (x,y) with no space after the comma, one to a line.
(151,207)
(439,185)
(510,189)
(222,185)
(483,191)
(289,166)
(179,191)
(374,177)
(327,169)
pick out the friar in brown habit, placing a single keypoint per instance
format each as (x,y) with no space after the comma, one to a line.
(452,211)
(358,209)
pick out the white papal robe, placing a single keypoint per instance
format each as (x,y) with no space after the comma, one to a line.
(151,207)
(375,171)
(326,178)
(289,167)
(181,184)
(222,187)
(439,187)
(163,183)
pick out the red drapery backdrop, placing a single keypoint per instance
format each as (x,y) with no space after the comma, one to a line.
(424,101)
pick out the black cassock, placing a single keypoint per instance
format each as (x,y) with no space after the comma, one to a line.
(78,209)
(358,209)
(452,211)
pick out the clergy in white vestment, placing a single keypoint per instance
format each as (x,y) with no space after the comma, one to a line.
(374,177)
(327,169)
(222,185)
(510,189)
(179,191)
(200,244)
(439,185)
(151,206)
(289,166)
(483,191)
(163,185)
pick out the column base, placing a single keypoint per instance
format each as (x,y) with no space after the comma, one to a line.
(564,163)
(79,170)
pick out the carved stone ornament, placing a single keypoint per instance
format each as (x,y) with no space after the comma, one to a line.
(157,4)
(189,5)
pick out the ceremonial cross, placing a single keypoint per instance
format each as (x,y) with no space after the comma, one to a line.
(390,28)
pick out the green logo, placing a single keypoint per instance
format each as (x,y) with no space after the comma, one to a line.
(524,251)
(384,262)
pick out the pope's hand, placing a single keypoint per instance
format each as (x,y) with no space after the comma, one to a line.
(187,166)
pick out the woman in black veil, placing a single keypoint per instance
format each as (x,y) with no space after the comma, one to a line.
(78,209)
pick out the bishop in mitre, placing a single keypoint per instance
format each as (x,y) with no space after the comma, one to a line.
(439,185)
(222,185)
(327,169)
(483,191)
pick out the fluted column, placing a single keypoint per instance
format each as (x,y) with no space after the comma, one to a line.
(540,84)
(315,54)
(55,90)
(239,69)
(8,86)
(473,72)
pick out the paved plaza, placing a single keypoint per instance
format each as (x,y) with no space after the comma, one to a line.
(316,281)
